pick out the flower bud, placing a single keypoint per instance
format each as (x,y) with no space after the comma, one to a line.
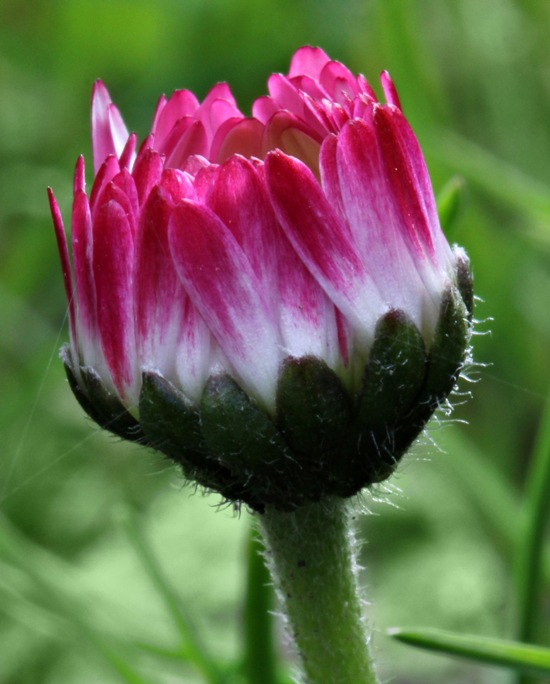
(269,300)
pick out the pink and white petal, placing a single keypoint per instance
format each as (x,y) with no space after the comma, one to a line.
(308,60)
(373,217)
(82,245)
(109,134)
(222,285)
(237,136)
(63,250)
(159,295)
(307,316)
(421,178)
(195,352)
(322,241)
(113,266)
(193,142)
(409,197)
(239,198)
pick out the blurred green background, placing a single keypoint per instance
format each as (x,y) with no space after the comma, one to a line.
(474,81)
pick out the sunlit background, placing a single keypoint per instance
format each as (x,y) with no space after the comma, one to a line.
(474,81)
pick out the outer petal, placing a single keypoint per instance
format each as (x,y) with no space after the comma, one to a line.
(356,179)
(418,174)
(322,241)
(113,252)
(223,287)
(65,267)
(172,338)
(109,134)
(82,245)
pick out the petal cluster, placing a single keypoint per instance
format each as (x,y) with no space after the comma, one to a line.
(228,245)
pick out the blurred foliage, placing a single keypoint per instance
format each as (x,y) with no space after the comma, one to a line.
(474,80)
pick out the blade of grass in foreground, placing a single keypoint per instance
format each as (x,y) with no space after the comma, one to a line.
(530,540)
(524,658)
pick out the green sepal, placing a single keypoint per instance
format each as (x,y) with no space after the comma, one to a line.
(448,351)
(464,281)
(314,412)
(393,378)
(445,361)
(247,442)
(102,405)
(172,425)
(169,419)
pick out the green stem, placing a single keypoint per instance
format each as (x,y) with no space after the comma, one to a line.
(311,555)
(531,537)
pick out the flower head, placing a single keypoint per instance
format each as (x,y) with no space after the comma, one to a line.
(268,300)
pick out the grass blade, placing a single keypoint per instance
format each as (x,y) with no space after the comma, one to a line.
(497,652)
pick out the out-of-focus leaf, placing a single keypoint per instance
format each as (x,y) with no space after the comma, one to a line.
(509,654)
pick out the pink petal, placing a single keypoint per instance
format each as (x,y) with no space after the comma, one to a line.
(128,154)
(286,95)
(322,241)
(192,142)
(65,268)
(307,318)
(264,108)
(421,181)
(85,288)
(221,283)
(239,198)
(105,175)
(195,352)
(289,134)
(400,172)
(339,82)
(355,178)
(160,297)
(308,60)
(181,104)
(109,134)
(146,172)
(390,91)
(113,257)
(237,136)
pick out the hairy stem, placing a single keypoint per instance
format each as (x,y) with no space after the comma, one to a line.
(311,555)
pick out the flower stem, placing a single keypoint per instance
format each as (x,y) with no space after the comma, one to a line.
(311,555)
